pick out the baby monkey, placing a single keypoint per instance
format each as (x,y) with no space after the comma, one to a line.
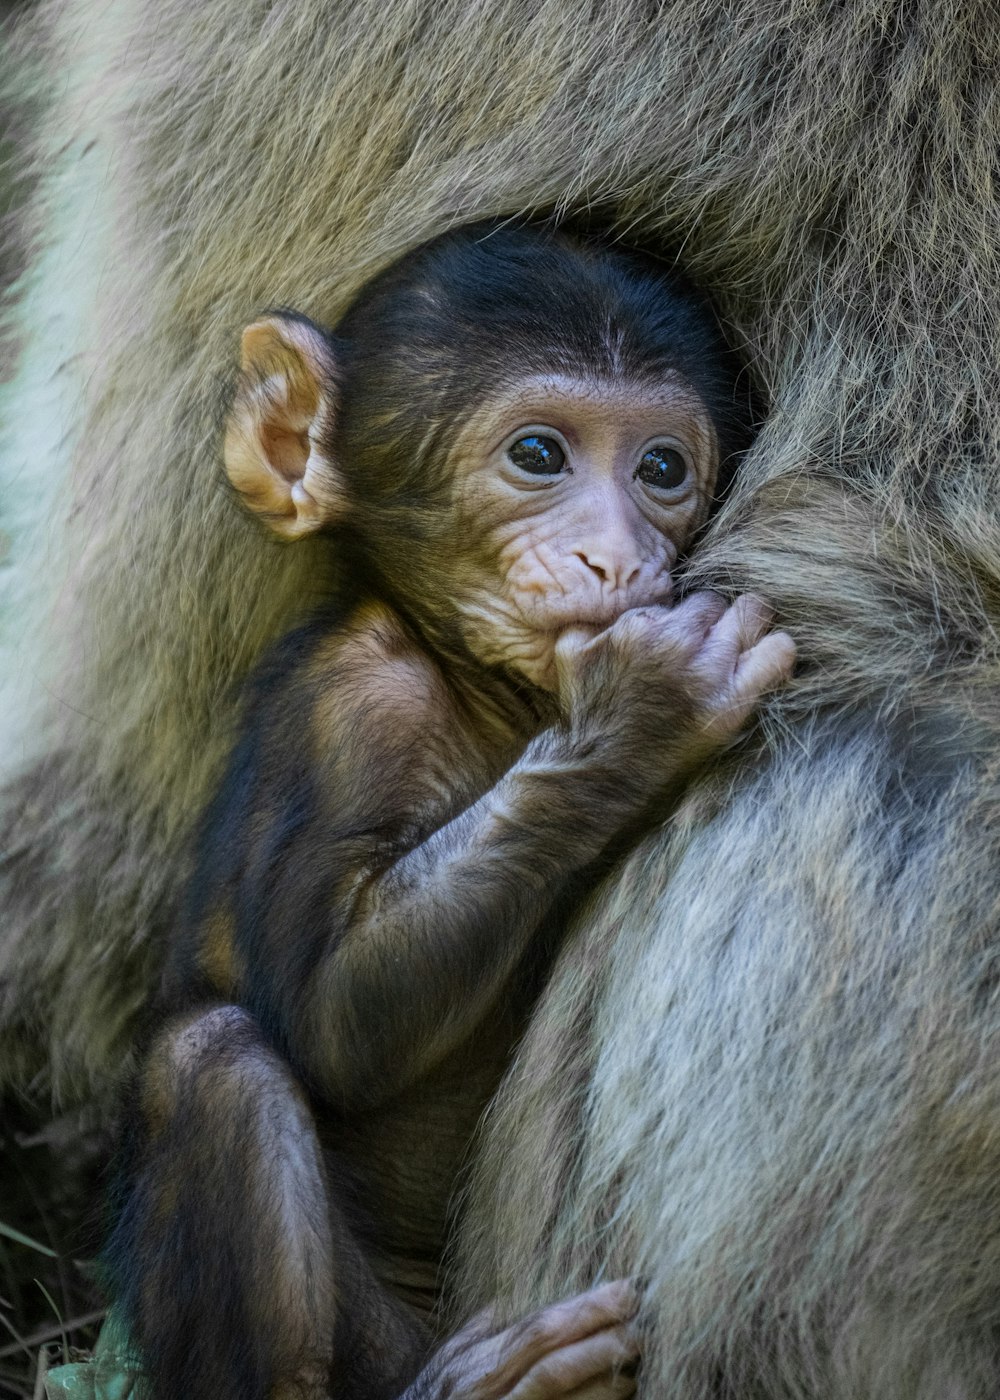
(510,437)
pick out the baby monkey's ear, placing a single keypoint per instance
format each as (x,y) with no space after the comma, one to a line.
(279,425)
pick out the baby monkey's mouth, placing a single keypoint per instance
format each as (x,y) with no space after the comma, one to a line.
(522,635)
(597,613)
(532,653)
(597,619)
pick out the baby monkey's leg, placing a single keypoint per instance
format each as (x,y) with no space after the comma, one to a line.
(244,1282)
(247,1282)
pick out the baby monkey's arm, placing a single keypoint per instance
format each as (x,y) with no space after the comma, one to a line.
(645,702)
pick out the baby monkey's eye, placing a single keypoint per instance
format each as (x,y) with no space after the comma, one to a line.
(541,456)
(662,466)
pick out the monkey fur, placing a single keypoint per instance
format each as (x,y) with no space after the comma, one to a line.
(778,1104)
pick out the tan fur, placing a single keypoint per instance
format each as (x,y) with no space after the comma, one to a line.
(784,1071)
(218,958)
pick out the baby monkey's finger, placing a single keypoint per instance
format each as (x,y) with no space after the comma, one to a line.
(765,666)
(744,623)
(703,608)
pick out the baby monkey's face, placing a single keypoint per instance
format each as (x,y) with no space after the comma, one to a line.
(574,498)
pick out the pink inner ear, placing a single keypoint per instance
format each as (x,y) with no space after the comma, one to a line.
(287,451)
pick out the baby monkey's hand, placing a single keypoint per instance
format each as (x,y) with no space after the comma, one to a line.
(670,685)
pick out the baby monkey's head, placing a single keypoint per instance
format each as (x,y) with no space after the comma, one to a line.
(520,430)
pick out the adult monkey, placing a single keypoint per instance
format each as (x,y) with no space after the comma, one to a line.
(828,169)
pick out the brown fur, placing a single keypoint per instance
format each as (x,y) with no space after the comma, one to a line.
(805,1167)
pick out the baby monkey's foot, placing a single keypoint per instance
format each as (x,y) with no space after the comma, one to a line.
(583,1348)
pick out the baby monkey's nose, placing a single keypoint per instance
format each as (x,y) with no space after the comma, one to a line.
(620,573)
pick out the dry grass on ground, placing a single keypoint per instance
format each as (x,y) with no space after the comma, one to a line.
(51,1181)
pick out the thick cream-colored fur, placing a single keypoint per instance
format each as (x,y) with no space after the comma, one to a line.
(765,1077)
(764,1082)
